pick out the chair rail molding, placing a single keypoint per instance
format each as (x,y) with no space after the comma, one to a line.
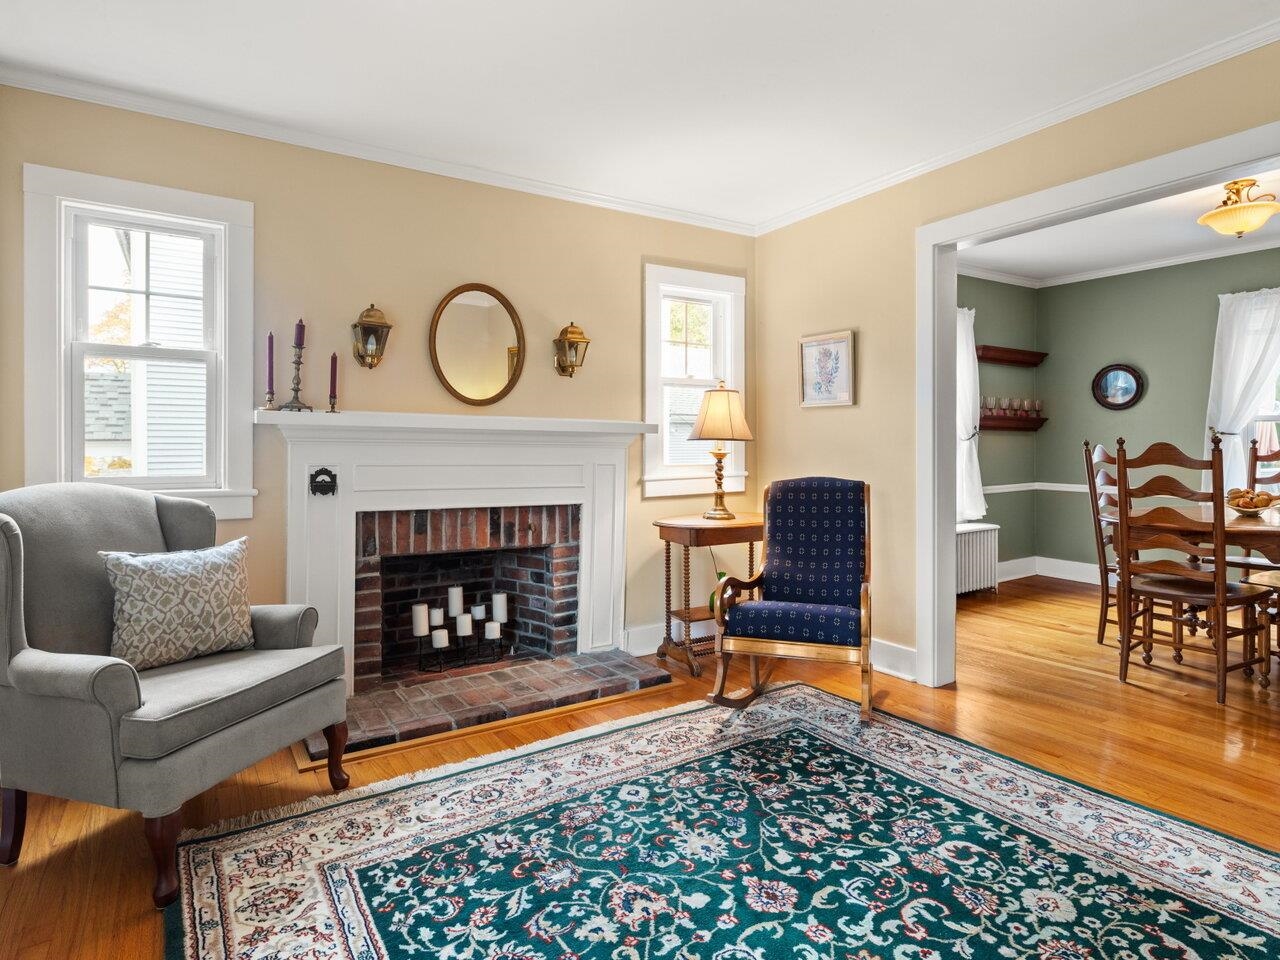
(422,461)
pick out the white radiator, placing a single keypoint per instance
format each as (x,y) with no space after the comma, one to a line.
(977,556)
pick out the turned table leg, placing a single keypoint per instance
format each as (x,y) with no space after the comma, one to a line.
(695,668)
(666,618)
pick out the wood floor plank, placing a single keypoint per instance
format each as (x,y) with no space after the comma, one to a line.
(1032,684)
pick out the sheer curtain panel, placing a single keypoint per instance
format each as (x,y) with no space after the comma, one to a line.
(970,502)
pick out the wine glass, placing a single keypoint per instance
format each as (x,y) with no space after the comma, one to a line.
(1004,406)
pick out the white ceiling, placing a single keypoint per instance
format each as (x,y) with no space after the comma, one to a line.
(1147,235)
(742,114)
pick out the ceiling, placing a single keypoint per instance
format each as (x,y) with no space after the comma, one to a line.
(739,114)
(1147,235)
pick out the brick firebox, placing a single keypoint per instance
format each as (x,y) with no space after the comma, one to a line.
(412,556)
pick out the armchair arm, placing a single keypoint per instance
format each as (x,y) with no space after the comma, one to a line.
(283,626)
(108,681)
(730,589)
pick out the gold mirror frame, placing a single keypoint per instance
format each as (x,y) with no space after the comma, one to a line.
(513,379)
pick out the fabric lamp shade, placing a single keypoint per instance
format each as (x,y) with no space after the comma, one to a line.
(721,416)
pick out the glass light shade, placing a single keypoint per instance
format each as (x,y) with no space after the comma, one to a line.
(721,416)
(1240,218)
(571,350)
(369,337)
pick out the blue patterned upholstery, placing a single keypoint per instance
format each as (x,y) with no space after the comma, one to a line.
(804,622)
(812,578)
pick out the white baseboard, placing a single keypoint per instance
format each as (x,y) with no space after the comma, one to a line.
(1048,567)
(891,658)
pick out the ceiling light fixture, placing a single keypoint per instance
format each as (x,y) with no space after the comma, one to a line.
(1241,212)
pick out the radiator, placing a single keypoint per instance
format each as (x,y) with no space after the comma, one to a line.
(977,556)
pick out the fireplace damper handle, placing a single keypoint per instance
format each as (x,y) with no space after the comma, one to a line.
(323,482)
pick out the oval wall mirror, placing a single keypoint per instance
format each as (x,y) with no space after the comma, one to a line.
(477,344)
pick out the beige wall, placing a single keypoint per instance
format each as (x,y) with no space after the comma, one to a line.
(854,267)
(334,233)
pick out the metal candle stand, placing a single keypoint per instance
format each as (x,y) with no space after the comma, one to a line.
(461,651)
(296,403)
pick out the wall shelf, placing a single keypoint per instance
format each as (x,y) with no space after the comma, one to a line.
(1010,356)
(988,422)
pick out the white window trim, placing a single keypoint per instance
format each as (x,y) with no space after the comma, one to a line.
(659,479)
(46,191)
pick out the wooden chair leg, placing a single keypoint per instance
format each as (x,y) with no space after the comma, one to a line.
(1219,629)
(1178,629)
(1126,637)
(336,736)
(13,824)
(865,705)
(1148,629)
(162,838)
(719,697)
(1249,620)
(1104,609)
(1264,668)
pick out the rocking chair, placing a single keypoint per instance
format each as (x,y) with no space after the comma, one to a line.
(814,584)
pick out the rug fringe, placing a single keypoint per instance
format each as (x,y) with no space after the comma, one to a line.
(259,817)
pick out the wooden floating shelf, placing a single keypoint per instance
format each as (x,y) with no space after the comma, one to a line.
(1011,423)
(1010,356)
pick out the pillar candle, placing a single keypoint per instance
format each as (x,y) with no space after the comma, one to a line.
(299,333)
(271,363)
(500,607)
(455,601)
(439,638)
(333,375)
(464,624)
(421,619)
(492,630)
(437,616)
(477,611)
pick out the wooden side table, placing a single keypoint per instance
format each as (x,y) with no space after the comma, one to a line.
(697,531)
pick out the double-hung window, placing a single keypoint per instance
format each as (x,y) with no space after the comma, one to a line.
(139,325)
(694,338)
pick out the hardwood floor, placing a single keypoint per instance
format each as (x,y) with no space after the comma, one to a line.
(1032,684)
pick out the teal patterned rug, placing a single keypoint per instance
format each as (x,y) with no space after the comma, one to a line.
(786,830)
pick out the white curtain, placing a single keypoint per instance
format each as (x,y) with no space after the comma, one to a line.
(1246,362)
(970,503)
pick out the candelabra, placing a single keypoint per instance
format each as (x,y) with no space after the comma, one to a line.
(296,403)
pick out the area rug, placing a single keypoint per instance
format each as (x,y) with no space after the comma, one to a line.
(698,833)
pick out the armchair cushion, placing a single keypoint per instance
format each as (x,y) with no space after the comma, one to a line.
(185,702)
(800,622)
(174,606)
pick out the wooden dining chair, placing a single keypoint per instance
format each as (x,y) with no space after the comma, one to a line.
(1188,582)
(1102,490)
(1256,460)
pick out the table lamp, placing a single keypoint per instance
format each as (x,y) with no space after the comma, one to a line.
(721,418)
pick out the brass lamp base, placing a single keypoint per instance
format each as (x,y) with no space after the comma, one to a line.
(719,511)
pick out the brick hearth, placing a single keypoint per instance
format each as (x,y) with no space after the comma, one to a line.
(411,556)
(409,704)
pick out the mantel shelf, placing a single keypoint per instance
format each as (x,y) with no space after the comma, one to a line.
(1010,356)
(366,425)
(989,422)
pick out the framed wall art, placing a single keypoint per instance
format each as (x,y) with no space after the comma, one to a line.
(826,369)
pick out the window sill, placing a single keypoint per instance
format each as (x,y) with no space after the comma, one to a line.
(226,504)
(656,487)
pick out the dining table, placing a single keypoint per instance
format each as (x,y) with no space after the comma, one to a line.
(1260,534)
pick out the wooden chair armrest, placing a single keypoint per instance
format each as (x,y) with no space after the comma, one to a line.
(728,592)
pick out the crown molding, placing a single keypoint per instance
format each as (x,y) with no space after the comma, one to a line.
(106,95)
(1206,56)
(109,96)
(998,276)
(1237,248)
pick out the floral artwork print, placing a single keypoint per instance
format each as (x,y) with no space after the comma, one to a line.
(825,372)
(785,830)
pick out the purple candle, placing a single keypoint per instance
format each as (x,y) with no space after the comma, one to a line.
(299,333)
(333,375)
(271,362)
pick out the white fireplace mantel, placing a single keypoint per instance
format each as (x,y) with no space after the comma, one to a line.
(424,461)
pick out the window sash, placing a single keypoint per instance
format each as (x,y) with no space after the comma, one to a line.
(211,478)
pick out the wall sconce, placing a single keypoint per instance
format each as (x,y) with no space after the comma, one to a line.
(369,337)
(571,350)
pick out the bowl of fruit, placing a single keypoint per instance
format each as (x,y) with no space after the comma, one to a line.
(1251,503)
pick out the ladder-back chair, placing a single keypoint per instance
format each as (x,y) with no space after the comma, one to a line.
(814,584)
(1102,490)
(1190,583)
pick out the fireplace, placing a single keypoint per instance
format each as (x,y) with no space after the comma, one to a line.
(413,556)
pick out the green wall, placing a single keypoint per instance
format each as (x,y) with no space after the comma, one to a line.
(1160,321)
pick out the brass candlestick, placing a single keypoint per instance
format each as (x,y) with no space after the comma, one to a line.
(271,401)
(296,403)
(333,404)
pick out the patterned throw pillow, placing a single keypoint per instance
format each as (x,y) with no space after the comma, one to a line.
(174,606)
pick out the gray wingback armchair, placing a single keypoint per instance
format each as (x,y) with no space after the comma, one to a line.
(76,722)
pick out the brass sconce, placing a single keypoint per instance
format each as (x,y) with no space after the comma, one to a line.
(369,337)
(571,350)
